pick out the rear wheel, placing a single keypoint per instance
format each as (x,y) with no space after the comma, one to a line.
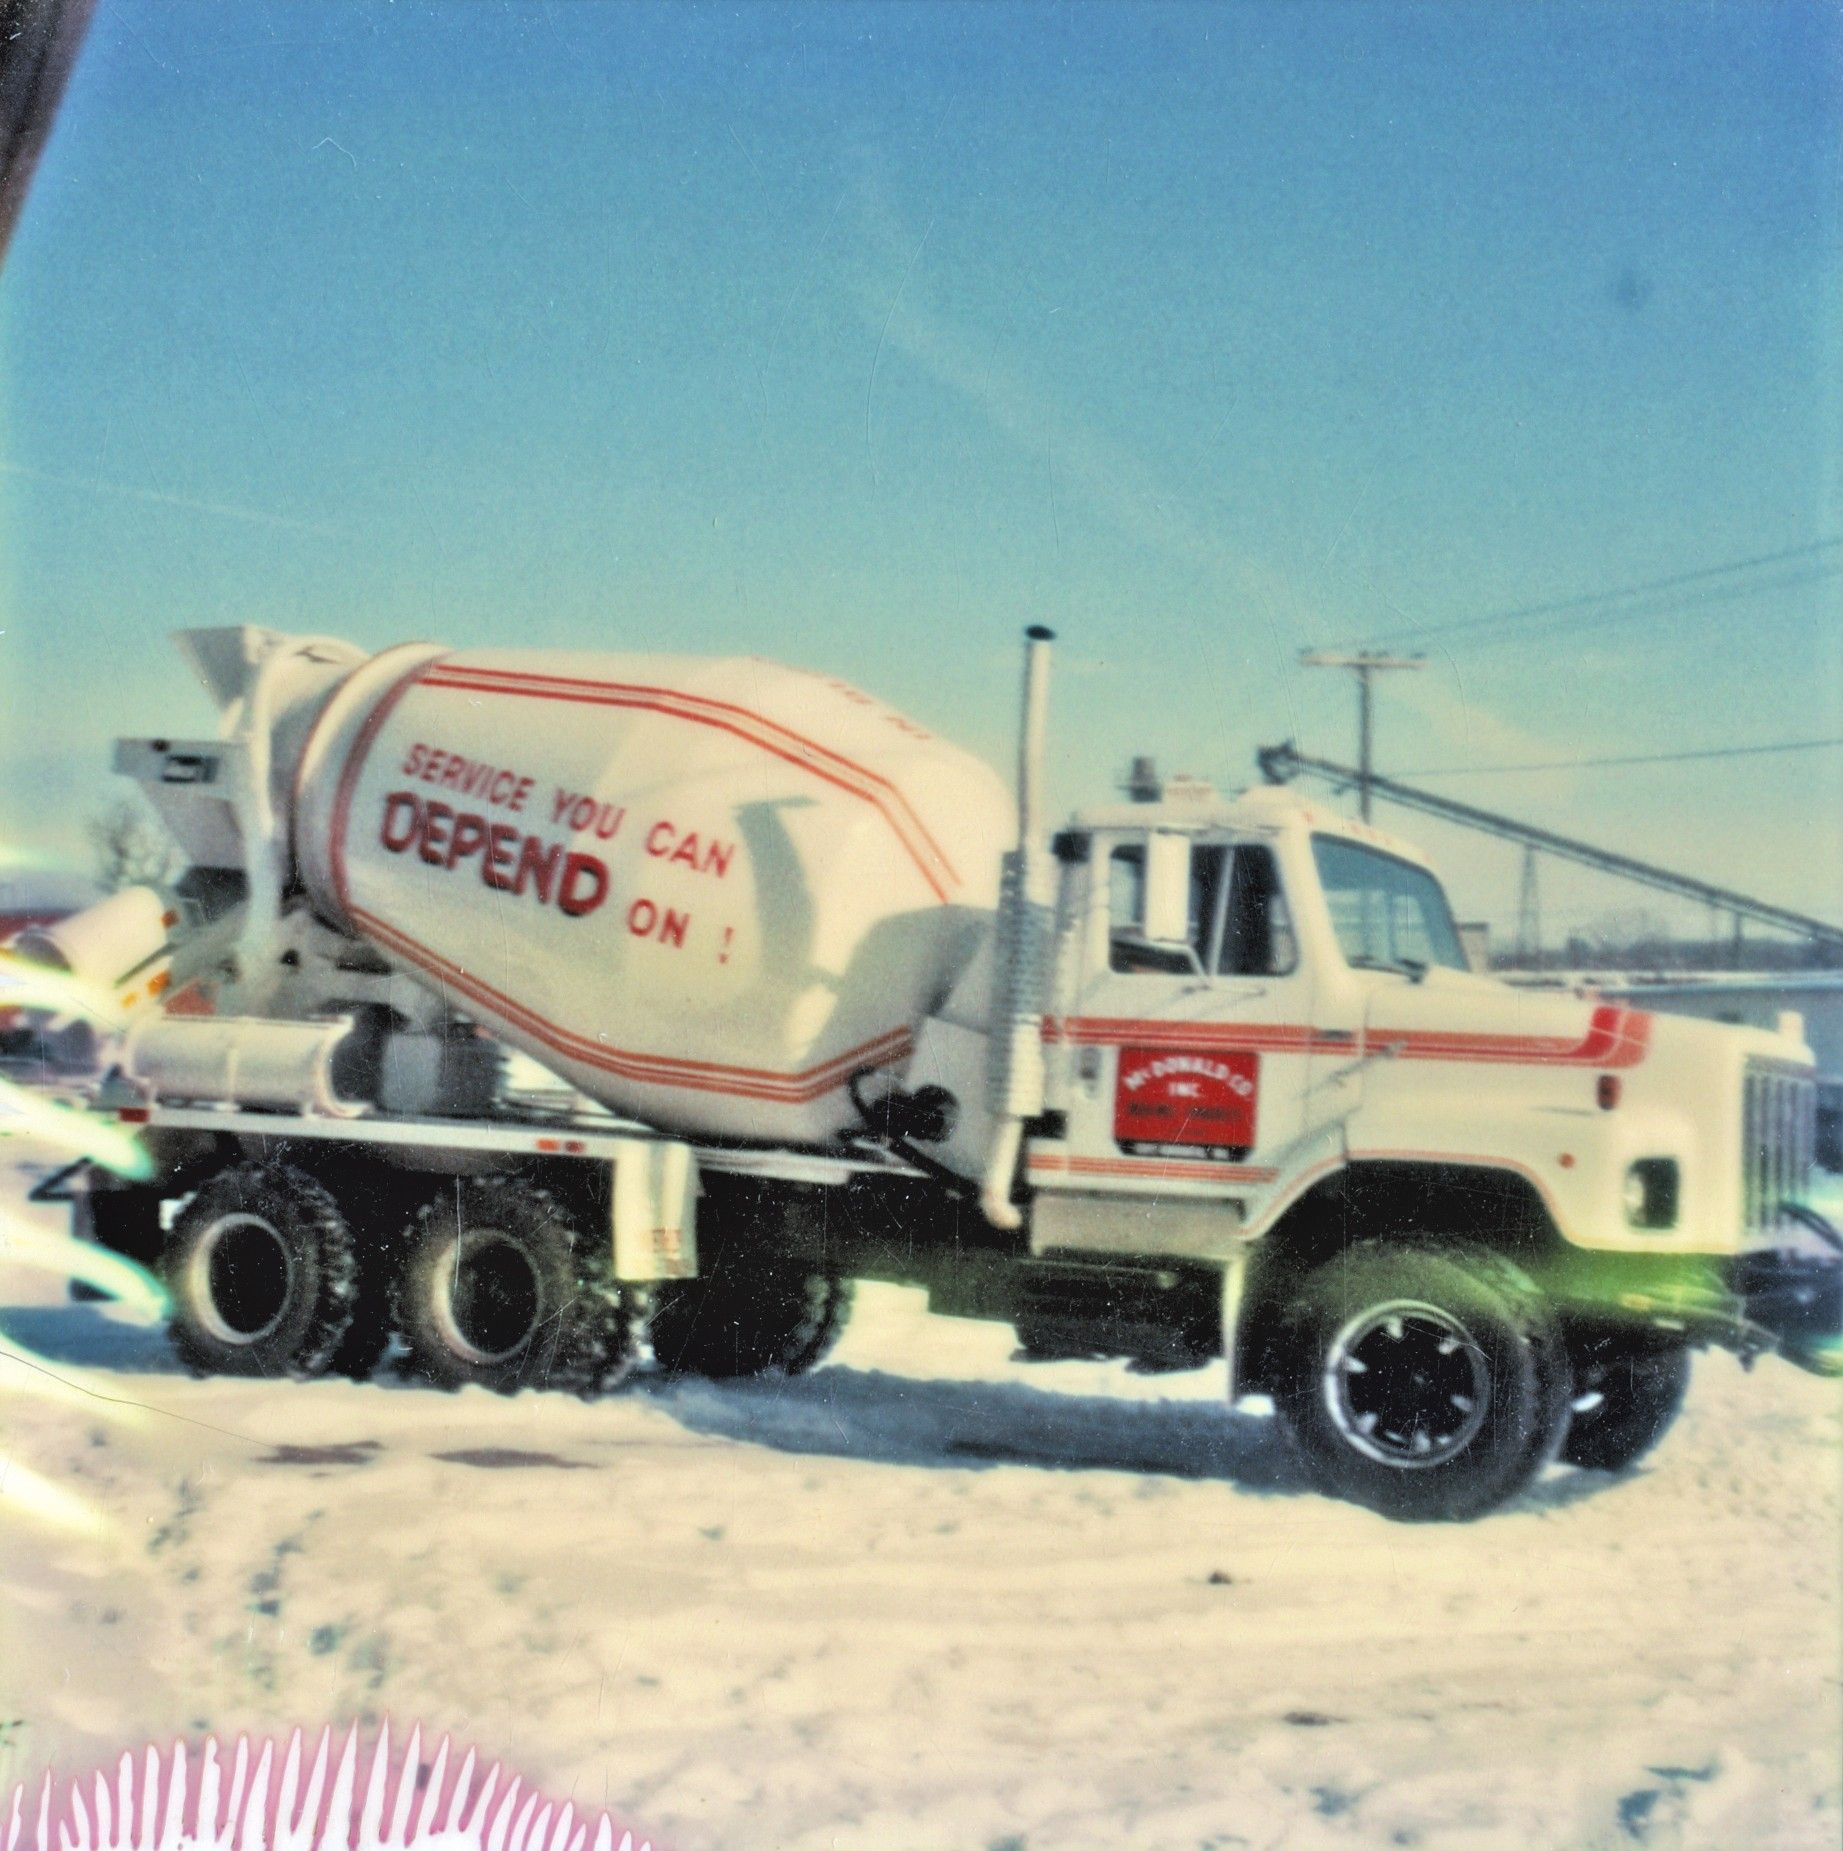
(377,1203)
(764,1301)
(262,1274)
(496,1290)
(1629,1396)
(1424,1380)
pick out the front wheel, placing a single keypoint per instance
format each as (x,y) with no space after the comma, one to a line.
(1629,1396)
(1424,1380)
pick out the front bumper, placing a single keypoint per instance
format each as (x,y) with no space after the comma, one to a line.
(1796,1293)
(1780,1300)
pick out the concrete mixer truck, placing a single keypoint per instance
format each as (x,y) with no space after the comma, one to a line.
(812,997)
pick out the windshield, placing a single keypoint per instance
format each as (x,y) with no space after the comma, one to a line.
(1386,913)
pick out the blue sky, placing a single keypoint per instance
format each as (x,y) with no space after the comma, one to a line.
(864,335)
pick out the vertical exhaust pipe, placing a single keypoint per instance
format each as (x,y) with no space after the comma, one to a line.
(1014,1075)
(1032,726)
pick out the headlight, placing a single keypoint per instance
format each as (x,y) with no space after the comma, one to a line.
(1650,1193)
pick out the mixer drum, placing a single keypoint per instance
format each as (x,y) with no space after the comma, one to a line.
(706,891)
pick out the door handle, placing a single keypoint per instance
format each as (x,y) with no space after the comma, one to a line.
(1202,986)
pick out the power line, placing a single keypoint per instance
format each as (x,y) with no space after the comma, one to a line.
(1647,588)
(1587,600)
(1637,758)
(1280,763)
(1596,621)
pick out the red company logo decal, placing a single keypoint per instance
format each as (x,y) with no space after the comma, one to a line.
(1201,1103)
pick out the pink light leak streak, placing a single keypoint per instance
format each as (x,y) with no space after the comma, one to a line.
(298,1799)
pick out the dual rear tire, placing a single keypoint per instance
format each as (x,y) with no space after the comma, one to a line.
(765,1301)
(489,1285)
(495,1290)
(768,1316)
(263,1278)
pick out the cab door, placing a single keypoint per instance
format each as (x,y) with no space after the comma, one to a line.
(1186,1037)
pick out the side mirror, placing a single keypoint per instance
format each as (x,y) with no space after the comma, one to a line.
(1167,889)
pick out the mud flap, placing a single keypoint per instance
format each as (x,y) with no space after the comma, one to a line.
(654,1210)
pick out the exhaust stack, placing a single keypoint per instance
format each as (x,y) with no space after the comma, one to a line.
(1014,1075)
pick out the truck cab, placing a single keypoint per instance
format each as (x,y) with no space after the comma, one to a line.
(1251,996)
(1420,1193)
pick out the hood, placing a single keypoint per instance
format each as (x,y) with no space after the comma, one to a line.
(1572,1088)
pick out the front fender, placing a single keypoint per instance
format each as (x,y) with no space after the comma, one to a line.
(1575,1157)
(1306,1164)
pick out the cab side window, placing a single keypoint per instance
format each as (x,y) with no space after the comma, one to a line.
(1239,925)
(1257,936)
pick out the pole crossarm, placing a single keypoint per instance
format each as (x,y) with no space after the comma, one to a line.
(1366,663)
(1280,764)
(1361,659)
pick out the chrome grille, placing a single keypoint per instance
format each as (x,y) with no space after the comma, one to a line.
(1778,1131)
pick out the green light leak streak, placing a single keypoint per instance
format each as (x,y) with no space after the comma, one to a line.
(73,1130)
(28,1113)
(59,1255)
(25,985)
(139,1294)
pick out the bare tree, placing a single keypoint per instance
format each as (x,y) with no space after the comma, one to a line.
(132,848)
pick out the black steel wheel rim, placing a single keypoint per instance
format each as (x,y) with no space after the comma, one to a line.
(1406,1384)
(488,1301)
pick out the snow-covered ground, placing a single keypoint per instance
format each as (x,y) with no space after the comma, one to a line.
(928,1597)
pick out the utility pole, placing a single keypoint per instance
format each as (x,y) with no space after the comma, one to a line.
(1529,913)
(1364,663)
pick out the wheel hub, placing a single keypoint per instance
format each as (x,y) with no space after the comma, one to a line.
(1406,1383)
(487,1299)
(243,1278)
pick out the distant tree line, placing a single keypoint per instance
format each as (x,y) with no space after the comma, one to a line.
(1647,945)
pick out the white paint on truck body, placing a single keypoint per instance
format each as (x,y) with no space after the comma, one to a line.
(708,891)
(1247,1088)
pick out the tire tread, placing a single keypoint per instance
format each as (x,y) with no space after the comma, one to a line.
(1439,1493)
(303,1204)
